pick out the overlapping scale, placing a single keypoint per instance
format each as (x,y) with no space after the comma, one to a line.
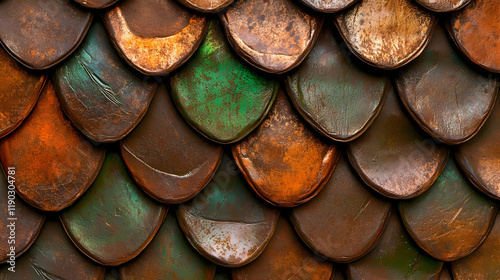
(441,6)
(328,6)
(96,4)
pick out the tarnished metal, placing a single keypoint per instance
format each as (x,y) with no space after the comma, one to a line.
(96,4)
(328,6)
(206,6)
(443,5)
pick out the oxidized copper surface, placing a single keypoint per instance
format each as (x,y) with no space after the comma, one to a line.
(386,34)
(206,6)
(154,36)
(274,36)
(55,163)
(328,6)
(96,4)
(283,160)
(444,5)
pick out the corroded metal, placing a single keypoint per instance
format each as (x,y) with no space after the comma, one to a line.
(55,162)
(206,6)
(96,4)
(166,157)
(443,5)
(386,34)
(154,36)
(274,36)
(328,6)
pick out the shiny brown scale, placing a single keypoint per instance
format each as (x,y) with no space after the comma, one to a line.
(328,6)
(443,5)
(206,6)
(96,4)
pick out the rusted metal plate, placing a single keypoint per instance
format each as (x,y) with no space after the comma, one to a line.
(169,256)
(154,36)
(96,4)
(337,97)
(443,5)
(394,157)
(448,99)
(285,258)
(483,263)
(55,163)
(166,157)
(217,94)
(479,157)
(476,32)
(19,91)
(40,34)
(114,221)
(226,222)
(396,257)
(103,98)
(386,34)
(274,36)
(53,256)
(344,221)
(206,6)
(451,219)
(20,224)
(283,160)
(328,6)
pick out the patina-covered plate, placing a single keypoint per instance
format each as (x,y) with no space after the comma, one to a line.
(451,219)
(441,6)
(166,157)
(217,94)
(283,160)
(96,4)
(448,99)
(274,36)
(103,98)
(394,157)
(337,97)
(328,6)
(154,36)
(285,257)
(345,220)
(206,6)
(386,34)
(226,222)
(40,34)
(55,163)
(114,221)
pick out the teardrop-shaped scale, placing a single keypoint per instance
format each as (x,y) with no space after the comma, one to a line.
(394,157)
(55,163)
(283,160)
(221,97)
(328,6)
(96,4)
(166,157)
(53,257)
(227,223)
(337,97)
(40,34)
(476,32)
(395,257)
(446,97)
(451,219)
(285,257)
(169,256)
(442,6)
(345,220)
(19,91)
(114,221)
(274,36)
(154,36)
(386,34)
(206,6)
(103,98)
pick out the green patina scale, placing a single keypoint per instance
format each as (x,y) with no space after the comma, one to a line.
(217,94)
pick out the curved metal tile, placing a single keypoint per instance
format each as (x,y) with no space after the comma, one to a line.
(328,6)
(206,6)
(442,6)
(96,4)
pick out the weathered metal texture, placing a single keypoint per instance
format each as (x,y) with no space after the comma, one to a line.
(445,274)
(55,163)
(451,219)
(206,6)
(479,157)
(283,161)
(103,98)
(394,157)
(166,157)
(96,4)
(338,275)
(218,95)
(19,91)
(53,256)
(154,36)
(27,222)
(395,258)
(442,6)
(483,263)
(114,221)
(476,32)
(344,221)
(40,34)
(274,36)
(386,34)
(285,257)
(338,98)
(169,256)
(448,99)
(328,6)
(226,222)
